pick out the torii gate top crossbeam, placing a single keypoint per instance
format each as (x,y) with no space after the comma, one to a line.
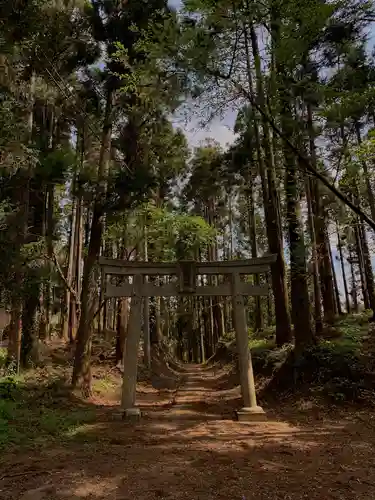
(130,268)
(187,272)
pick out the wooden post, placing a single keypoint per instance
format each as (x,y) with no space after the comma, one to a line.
(251,411)
(129,381)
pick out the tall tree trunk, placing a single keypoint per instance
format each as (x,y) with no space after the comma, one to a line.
(337,293)
(259,324)
(80,224)
(75,276)
(200,305)
(369,275)
(180,329)
(109,308)
(50,229)
(298,270)
(361,265)
(216,310)
(370,192)
(30,324)
(363,248)
(269,301)
(82,360)
(271,202)
(325,268)
(354,292)
(16,337)
(321,233)
(339,247)
(207,330)
(309,196)
(146,310)
(230,208)
(48,232)
(69,274)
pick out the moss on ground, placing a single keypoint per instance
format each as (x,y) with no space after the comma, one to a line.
(36,413)
(338,367)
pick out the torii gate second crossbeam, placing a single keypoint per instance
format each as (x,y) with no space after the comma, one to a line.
(187,272)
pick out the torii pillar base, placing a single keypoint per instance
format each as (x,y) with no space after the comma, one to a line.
(132,414)
(251,414)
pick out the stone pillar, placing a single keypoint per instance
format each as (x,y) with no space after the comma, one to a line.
(251,411)
(130,360)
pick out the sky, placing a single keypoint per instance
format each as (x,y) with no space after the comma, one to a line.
(221,128)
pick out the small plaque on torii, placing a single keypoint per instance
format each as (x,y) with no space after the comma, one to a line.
(187,277)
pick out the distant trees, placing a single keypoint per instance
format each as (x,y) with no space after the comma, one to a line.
(92,165)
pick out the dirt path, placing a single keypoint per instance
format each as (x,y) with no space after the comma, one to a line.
(187,448)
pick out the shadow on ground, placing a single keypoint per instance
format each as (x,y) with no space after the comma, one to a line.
(172,457)
(186,446)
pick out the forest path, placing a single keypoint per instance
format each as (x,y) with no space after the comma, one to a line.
(188,448)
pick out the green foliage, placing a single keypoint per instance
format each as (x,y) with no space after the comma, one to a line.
(36,416)
(8,388)
(337,369)
(3,357)
(55,165)
(191,234)
(267,358)
(170,234)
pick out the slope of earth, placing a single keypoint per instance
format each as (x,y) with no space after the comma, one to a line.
(188,447)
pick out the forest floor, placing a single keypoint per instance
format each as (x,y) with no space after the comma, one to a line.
(187,445)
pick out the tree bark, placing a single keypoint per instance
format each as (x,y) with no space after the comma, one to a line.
(259,323)
(271,204)
(370,192)
(298,270)
(69,274)
(82,361)
(146,310)
(354,292)
(309,197)
(74,310)
(369,275)
(361,265)
(50,229)
(30,324)
(17,329)
(339,247)
(337,293)
(325,269)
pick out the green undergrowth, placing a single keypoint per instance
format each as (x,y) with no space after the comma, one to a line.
(105,386)
(3,357)
(36,412)
(339,366)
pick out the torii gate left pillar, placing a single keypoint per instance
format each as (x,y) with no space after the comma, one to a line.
(187,272)
(250,411)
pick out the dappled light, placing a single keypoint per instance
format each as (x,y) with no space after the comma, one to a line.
(186,445)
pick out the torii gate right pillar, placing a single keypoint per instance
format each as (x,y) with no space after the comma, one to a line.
(250,412)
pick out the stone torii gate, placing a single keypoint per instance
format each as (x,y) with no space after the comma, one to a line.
(187,272)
